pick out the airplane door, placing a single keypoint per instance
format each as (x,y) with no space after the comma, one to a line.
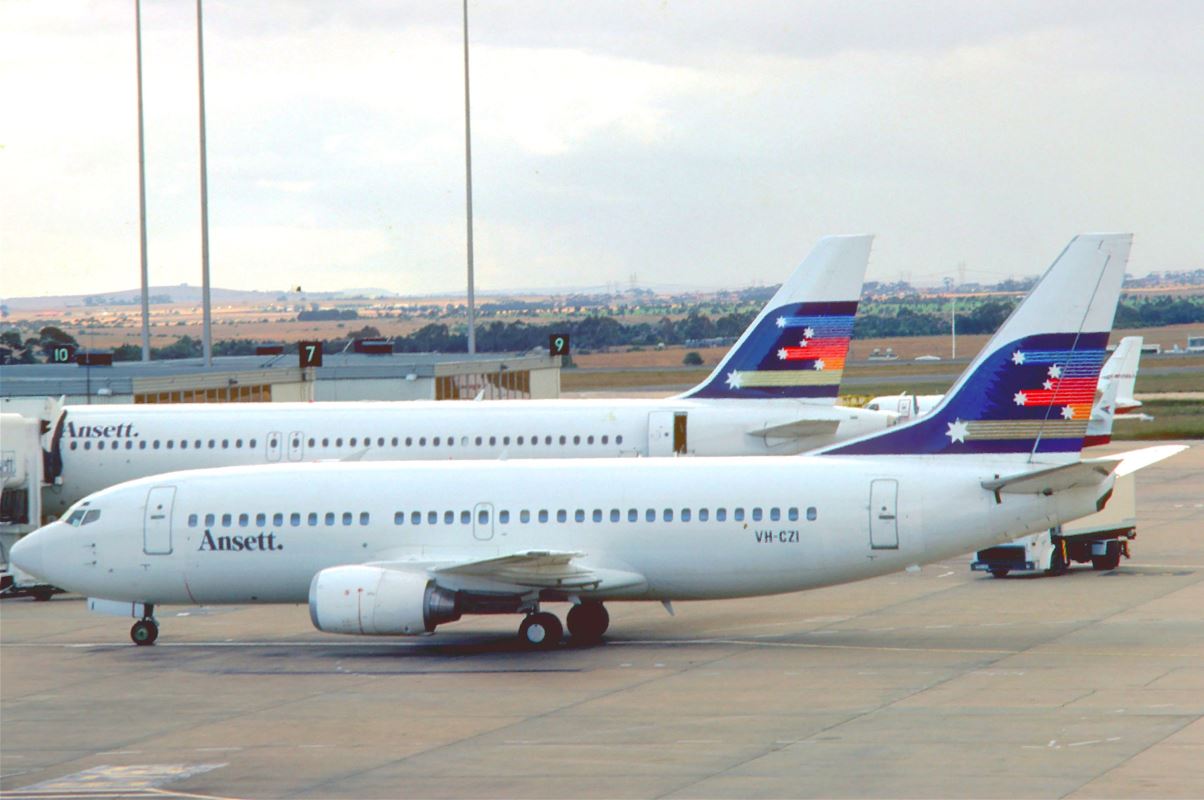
(660,433)
(296,446)
(273,445)
(884,522)
(156,527)
(482,522)
(679,432)
(905,407)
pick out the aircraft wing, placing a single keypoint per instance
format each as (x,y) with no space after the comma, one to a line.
(540,569)
(798,429)
(1087,472)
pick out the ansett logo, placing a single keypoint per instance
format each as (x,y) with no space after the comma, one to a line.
(235,544)
(124,430)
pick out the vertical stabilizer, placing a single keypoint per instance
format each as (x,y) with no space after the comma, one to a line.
(797,345)
(1031,389)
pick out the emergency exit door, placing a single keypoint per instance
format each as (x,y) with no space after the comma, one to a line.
(156,527)
(884,521)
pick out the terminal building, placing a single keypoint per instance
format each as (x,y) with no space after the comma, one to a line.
(25,388)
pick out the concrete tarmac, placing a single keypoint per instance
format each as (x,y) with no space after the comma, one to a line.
(937,684)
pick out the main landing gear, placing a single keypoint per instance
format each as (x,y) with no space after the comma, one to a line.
(587,623)
(145,630)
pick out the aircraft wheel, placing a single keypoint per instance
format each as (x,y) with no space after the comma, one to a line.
(1000,572)
(1058,565)
(588,621)
(144,632)
(541,631)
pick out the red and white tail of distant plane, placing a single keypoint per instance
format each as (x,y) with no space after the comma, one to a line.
(773,393)
(401,548)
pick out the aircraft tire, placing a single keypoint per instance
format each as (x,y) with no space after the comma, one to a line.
(1000,572)
(540,631)
(144,632)
(587,622)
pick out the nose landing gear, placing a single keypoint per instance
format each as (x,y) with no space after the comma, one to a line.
(146,630)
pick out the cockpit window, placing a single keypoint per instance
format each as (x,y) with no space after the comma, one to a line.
(91,516)
(75,517)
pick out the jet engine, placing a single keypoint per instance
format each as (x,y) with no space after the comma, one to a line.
(375,602)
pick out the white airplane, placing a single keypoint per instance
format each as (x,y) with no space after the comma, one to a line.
(400,548)
(773,393)
(1114,394)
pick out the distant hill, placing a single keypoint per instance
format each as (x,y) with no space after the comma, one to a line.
(182,293)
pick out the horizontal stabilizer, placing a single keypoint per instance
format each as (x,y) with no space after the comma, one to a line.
(543,569)
(798,429)
(1054,479)
(1087,472)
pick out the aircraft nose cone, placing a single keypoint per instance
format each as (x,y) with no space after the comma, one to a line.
(26,555)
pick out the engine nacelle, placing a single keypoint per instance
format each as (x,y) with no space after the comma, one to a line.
(378,602)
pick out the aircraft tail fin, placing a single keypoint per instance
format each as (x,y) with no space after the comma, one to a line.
(1031,389)
(1121,369)
(796,347)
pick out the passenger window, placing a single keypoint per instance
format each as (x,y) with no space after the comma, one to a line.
(294,519)
(667,515)
(703,515)
(811,513)
(238,442)
(589,440)
(399,517)
(650,515)
(721,515)
(547,440)
(154,446)
(183,444)
(432,518)
(519,440)
(505,441)
(409,441)
(465,517)
(738,514)
(338,442)
(605,439)
(313,519)
(192,520)
(251,444)
(244,520)
(775,514)
(278,520)
(74,445)
(394,441)
(422,441)
(562,515)
(464,441)
(579,516)
(685,515)
(449,517)
(261,520)
(614,515)
(141,445)
(492,441)
(503,517)
(353,441)
(171,443)
(311,441)
(597,515)
(451,440)
(619,439)
(563,440)
(633,515)
(435,442)
(329,518)
(524,516)
(477,441)
(576,440)
(792,514)
(483,517)
(210,520)
(364,518)
(415,517)
(543,515)
(225,444)
(227,519)
(100,445)
(756,514)
(91,516)
(346,518)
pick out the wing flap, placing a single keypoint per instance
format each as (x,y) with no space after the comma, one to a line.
(542,569)
(798,429)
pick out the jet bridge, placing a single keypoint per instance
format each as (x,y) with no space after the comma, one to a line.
(21,500)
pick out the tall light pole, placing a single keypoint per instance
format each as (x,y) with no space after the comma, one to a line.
(142,189)
(207,333)
(472,333)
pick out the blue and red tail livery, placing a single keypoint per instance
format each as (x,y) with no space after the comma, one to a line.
(1031,390)
(797,345)
(794,351)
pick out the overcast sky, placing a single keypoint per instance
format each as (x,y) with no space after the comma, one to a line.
(689,143)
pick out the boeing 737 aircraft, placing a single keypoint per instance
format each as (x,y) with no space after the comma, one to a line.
(396,548)
(774,393)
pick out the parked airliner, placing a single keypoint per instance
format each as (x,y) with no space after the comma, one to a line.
(1113,396)
(400,548)
(773,393)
